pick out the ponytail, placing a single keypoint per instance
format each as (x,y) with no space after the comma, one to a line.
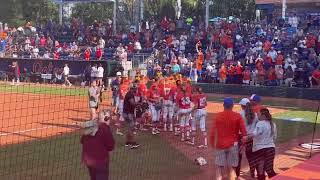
(266,113)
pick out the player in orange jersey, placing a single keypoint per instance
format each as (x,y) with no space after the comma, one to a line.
(155,107)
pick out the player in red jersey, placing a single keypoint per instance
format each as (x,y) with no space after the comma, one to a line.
(155,107)
(185,104)
(176,89)
(167,94)
(199,115)
(143,106)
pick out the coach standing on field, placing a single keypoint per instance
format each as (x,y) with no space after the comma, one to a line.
(224,139)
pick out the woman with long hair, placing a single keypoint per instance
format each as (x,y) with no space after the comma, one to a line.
(250,118)
(264,137)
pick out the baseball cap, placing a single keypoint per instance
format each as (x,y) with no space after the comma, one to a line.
(255,98)
(118,73)
(227,102)
(244,101)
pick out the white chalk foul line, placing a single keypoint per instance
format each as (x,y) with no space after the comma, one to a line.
(25,131)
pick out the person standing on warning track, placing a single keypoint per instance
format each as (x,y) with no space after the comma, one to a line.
(94,94)
(100,72)
(66,73)
(94,72)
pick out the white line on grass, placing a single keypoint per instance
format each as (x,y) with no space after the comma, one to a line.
(24,131)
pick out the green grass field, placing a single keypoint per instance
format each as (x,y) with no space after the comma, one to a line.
(58,158)
(40,89)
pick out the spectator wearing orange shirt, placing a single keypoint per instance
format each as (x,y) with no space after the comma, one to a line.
(238,73)
(261,75)
(246,76)
(267,46)
(223,74)
(279,74)
(231,75)
(272,77)
(224,139)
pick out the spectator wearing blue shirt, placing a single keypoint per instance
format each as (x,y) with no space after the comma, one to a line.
(3,45)
(175,67)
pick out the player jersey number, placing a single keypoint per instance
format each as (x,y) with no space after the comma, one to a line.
(203,102)
(166,91)
(186,101)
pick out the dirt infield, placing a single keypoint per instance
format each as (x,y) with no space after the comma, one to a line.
(32,116)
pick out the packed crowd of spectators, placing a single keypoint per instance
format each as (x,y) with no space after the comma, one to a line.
(229,51)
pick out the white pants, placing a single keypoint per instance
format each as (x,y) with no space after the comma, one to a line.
(199,115)
(184,115)
(288,81)
(168,110)
(120,108)
(246,82)
(155,114)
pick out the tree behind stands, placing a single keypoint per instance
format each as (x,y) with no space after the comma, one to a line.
(17,12)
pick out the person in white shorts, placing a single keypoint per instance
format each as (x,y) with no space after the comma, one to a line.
(66,73)
(123,89)
(94,72)
(155,107)
(185,108)
(100,72)
(199,115)
(168,107)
